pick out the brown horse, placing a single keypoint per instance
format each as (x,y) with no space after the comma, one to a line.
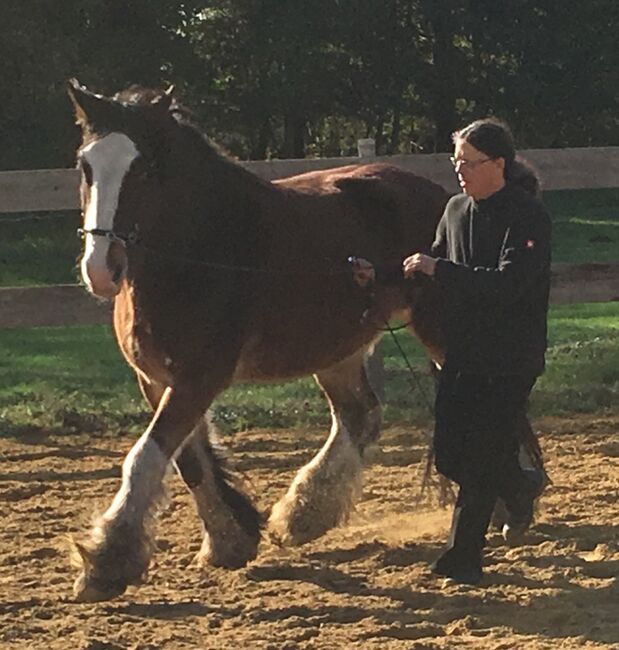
(220,277)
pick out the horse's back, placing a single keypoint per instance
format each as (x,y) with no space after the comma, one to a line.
(377,178)
(308,312)
(369,196)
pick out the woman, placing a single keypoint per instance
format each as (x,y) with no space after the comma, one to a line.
(491,257)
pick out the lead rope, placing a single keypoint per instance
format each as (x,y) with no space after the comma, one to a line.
(443,486)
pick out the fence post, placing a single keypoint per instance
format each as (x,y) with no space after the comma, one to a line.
(366,147)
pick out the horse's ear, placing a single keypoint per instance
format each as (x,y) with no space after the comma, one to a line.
(86,104)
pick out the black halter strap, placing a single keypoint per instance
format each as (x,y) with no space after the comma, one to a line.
(125,239)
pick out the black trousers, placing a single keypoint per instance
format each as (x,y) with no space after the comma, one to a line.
(476,444)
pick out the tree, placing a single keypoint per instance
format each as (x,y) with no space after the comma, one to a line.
(107,44)
(289,78)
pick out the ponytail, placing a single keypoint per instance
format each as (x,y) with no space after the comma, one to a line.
(522,174)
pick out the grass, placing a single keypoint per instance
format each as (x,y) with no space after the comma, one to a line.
(38,249)
(585,225)
(74,380)
(582,372)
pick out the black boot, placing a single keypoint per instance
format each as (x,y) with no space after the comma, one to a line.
(462,559)
(448,567)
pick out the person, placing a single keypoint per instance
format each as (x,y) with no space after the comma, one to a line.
(491,258)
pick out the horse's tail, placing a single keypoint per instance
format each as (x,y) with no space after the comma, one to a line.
(529,444)
(529,447)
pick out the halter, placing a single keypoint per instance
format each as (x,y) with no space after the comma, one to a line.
(129,239)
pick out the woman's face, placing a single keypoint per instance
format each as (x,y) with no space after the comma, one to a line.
(478,174)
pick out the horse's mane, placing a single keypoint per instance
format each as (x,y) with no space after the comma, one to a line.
(141,96)
(136,95)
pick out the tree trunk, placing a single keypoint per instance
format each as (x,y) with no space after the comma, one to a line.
(445,73)
(395,131)
(294,136)
(379,138)
(259,146)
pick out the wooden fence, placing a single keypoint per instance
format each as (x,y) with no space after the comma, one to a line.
(53,190)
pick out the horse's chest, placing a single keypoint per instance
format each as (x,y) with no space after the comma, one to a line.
(138,344)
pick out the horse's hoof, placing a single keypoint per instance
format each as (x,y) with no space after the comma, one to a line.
(88,589)
(222,562)
(234,556)
(290,527)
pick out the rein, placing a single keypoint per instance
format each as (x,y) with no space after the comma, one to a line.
(131,239)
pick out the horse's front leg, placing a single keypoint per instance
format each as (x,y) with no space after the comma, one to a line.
(231,523)
(121,544)
(324,491)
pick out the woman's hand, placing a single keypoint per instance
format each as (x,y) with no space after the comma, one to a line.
(419,263)
(363,272)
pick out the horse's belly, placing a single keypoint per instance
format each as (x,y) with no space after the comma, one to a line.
(312,340)
(269,360)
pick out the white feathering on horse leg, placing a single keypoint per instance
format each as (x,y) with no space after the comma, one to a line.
(322,493)
(226,542)
(143,471)
(120,545)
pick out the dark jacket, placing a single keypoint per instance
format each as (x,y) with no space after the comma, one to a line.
(494,266)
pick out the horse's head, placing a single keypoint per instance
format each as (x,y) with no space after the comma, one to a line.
(120,184)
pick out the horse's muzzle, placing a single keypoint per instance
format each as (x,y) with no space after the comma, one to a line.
(103,282)
(104,274)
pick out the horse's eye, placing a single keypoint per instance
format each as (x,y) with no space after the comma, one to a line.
(86,171)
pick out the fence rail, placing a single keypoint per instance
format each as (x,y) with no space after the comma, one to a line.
(64,305)
(560,169)
(57,189)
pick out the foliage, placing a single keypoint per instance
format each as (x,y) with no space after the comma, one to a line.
(294,78)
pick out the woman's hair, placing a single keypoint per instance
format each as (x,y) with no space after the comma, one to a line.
(494,138)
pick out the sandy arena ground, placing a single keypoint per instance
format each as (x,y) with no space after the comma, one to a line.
(365,585)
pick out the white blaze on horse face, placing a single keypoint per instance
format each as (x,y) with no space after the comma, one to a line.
(110,158)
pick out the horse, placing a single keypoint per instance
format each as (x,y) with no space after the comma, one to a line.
(219,277)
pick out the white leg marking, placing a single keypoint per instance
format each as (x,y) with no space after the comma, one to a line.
(322,493)
(143,471)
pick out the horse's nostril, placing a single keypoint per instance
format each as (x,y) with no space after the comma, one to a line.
(117,273)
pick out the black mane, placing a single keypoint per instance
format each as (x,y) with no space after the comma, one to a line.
(137,96)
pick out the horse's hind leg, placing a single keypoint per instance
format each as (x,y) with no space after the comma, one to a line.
(324,491)
(230,521)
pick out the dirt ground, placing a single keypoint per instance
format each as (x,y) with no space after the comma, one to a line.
(365,585)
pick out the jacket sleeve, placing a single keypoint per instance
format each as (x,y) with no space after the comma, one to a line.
(439,245)
(525,260)
(392,274)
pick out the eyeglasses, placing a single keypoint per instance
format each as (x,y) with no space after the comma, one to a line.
(471,164)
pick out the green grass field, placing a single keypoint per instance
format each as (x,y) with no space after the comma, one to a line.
(585,225)
(74,380)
